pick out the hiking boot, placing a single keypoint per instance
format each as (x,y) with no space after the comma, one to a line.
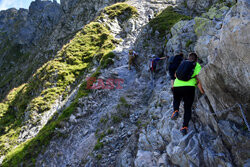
(175,115)
(184,130)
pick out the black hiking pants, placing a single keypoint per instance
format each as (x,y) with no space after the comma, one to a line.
(185,93)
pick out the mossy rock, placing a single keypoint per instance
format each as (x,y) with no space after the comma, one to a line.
(122,10)
(201,25)
(164,21)
(107,59)
(215,12)
(188,43)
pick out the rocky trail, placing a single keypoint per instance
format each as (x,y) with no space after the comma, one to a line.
(131,126)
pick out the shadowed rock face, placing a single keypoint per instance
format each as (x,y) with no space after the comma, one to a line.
(42,19)
(27,26)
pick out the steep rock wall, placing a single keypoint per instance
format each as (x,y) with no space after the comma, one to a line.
(226,80)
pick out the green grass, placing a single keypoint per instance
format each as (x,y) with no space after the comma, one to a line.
(116,119)
(27,151)
(189,42)
(121,10)
(53,79)
(107,60)
(99,157)
(164,21)
(110,131)
(122,111)
(228,4)
(103,120)
(56,78)
(99,144)
(124,102)
(185,4)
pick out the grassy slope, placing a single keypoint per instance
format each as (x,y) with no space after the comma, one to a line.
(55,78)
(164,21)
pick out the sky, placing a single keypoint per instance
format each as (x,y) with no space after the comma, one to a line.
(6,4)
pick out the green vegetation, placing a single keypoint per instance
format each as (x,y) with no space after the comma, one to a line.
(228,4)
(216,12)
(32,147)
(100,136)
(99,144)
(110,131)
(55,78)
(185,4)
(164,21)
(121,10)
(99,156)
(122,111)
(201,25)
(166,42)
(189,42)
(123,108)
(141,124)
(103,120)
(116,119)
(124,102)
(107,60)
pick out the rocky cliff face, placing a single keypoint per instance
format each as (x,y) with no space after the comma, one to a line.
(129,126)
(35,35)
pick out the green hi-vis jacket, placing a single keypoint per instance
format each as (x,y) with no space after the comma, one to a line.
(192,81)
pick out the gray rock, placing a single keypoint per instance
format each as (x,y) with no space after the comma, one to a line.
(228,67)
(122,125)
(183,38)
(72,119)
(162,161)
(144,159)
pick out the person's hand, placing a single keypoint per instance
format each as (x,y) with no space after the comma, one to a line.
(200,88)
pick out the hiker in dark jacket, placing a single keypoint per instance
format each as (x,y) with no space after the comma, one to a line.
(132,59)
(184,88)
(153,62)
(152,66)
(149,18)
(174,63)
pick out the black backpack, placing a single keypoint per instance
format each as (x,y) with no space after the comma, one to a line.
(185,70)
(171,60)
(175,61)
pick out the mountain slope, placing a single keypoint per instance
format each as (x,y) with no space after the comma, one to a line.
(132,126)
